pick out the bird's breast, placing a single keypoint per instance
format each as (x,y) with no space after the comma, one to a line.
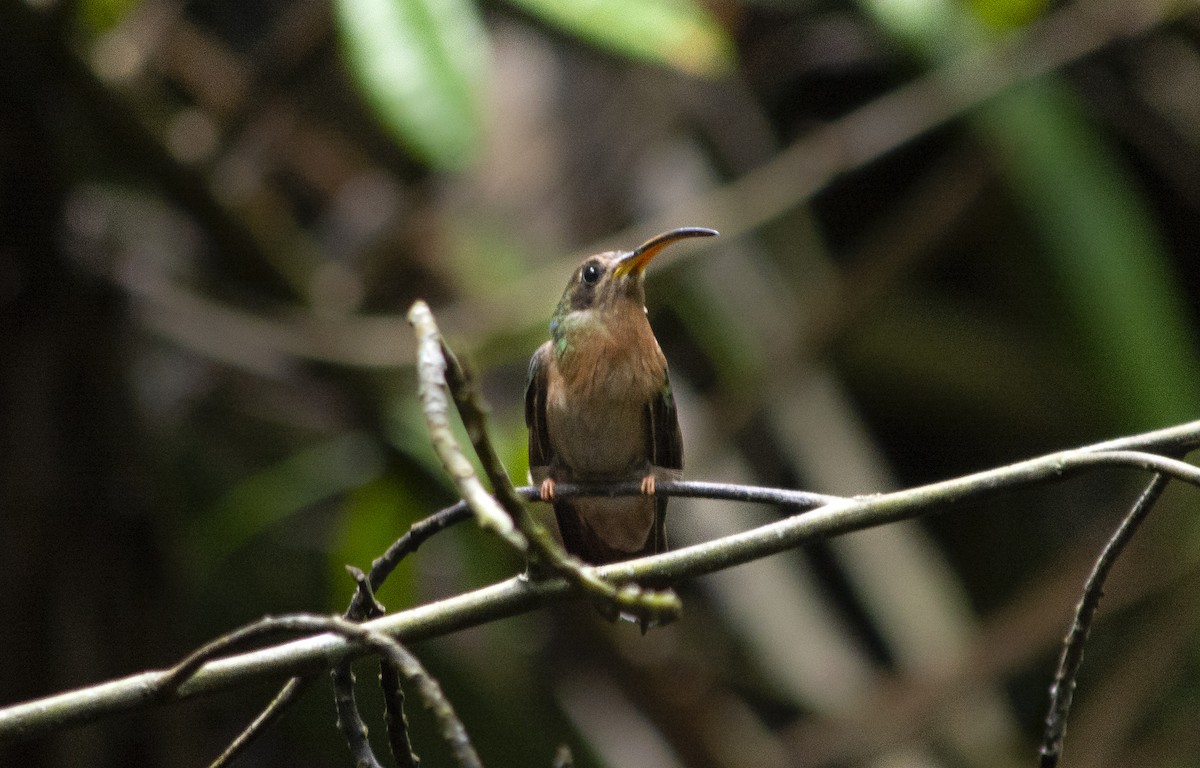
(597,438)
(596,413)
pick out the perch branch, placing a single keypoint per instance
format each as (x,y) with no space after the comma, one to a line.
(423,530)
(513,596)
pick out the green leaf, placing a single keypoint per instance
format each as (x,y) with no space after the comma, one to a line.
(374,516)
(421,65)
(676,33)
(100,16)
(1097,229)
(1008,14)
(1101,237)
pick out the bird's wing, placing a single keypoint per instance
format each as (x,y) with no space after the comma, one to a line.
(664,442)
(535,410)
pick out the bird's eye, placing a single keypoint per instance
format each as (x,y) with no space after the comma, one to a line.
(591,273)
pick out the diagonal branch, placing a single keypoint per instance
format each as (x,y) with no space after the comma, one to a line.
(1063,689)
(287,695)
(435,404)
(507,598)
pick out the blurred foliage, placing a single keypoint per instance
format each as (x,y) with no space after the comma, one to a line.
(217,214)
(1100,238)
(678,33)
(99,16)
(1008,14)
(266,498)
(422,65)
(1096,231)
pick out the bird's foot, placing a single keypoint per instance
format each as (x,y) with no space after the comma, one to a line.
(546,491)
(648,485)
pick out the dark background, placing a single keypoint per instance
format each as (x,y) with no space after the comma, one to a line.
(208,240)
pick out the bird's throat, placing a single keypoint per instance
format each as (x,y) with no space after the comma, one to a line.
(609,358)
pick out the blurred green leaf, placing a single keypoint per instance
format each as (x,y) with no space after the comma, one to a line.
(1008,14)
(1100,237)
(274,494)
(1098,232)
(421,64)
(934,28)
(724,340)
(99,16)
(677,33)
(407,432)
(375,515)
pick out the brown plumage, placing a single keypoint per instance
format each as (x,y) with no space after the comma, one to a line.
(599,407)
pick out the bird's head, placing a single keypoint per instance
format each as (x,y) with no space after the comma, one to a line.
(608,285)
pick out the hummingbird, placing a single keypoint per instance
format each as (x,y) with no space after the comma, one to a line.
(599,407)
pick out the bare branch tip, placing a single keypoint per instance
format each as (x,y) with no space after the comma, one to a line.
(419,312)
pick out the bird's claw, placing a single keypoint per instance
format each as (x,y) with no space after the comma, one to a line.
(546,490)
(648,485)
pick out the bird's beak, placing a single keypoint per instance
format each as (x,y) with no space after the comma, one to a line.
(635,262)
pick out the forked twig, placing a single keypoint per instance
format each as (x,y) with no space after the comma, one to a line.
(361,635)
(435,405)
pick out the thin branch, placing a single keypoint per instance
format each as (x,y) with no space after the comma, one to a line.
(349,721)
(399,657)
(417,534)
(186,669)
(423,530)
(517,595)
(389,677)
(1175,468)
(696,489)
(393,715)
(288,694)
(1063,689)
